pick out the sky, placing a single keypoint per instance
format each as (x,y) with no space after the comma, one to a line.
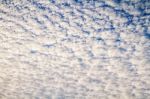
(74,49)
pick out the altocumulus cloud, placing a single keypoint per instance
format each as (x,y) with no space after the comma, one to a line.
(74,49)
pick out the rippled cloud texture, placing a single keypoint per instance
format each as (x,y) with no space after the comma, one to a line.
(74,49)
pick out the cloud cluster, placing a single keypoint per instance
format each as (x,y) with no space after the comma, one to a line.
(74,49)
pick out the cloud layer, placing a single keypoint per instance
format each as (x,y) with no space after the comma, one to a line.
(74,49)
